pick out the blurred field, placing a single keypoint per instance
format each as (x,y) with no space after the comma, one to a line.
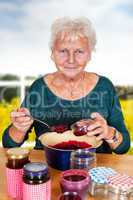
(127,107)
(6,108)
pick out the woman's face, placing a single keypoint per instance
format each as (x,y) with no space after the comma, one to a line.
(71,55)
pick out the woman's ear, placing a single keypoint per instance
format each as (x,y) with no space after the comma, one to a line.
(89,56)
(52,56)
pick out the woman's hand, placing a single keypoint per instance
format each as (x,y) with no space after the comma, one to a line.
(20,120)
(99,128)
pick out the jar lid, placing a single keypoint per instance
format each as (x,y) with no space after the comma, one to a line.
(120,183)
(17,153)
(99,175)
(35,169)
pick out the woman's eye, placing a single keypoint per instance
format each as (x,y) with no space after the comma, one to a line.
(63,51)
(79,51)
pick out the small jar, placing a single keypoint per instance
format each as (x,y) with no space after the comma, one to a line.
(120,187)
(75,180)
(99,180)
(70,196)
(36,182)
(83,159)
(16,159)
(81,127)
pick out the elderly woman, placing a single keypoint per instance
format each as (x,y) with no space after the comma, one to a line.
(71,93)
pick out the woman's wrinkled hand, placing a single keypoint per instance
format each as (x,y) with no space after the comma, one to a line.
(99,127)
(20,119)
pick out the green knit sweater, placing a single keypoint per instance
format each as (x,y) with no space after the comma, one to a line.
(45,105)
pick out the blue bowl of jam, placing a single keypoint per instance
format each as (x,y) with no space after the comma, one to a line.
(58,158)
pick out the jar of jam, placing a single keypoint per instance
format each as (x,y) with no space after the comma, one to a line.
(75,180)
(36,182)
(120,186)
(70,196)
(16,159)
(81,127)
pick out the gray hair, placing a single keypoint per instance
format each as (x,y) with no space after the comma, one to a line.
(81,27)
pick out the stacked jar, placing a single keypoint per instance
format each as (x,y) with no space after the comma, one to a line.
(99,181)
(16,159)
(83,159)
(75,180)
(36,182)
(120,186)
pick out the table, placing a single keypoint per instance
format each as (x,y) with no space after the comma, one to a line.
(121,163)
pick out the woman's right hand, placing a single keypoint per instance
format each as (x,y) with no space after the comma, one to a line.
(20,120)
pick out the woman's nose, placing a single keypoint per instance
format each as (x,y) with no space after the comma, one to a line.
(71,58)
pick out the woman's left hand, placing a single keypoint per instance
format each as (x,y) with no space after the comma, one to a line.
(99,127)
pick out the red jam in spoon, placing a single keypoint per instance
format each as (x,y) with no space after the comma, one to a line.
(59,128)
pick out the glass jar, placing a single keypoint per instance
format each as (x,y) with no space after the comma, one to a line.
(75,180)
(70,196)
(83,159)
(116,194)
(81,127)
(16,159)
(99,180)
(36,182)
(120,187)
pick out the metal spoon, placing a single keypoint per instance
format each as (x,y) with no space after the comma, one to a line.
(38,120)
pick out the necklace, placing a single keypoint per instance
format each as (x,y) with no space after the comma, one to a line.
(68,89)
(76,89)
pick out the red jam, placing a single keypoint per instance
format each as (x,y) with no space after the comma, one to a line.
(74,177)
(59,128)
(81,127)
(17,163)
(79,131)
(72,145)
(75,180)
(70,196)
(17,157)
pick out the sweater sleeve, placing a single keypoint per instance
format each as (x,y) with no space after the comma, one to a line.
(116,120)
(8,142)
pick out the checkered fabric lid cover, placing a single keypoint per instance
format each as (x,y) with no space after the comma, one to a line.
(100,174)
(121,181)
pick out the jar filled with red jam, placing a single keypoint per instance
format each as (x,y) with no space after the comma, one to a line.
(36,182)
(16,159)
(70,196)
(75,180)
(81,127)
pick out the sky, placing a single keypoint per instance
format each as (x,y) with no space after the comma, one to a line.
(25,35)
